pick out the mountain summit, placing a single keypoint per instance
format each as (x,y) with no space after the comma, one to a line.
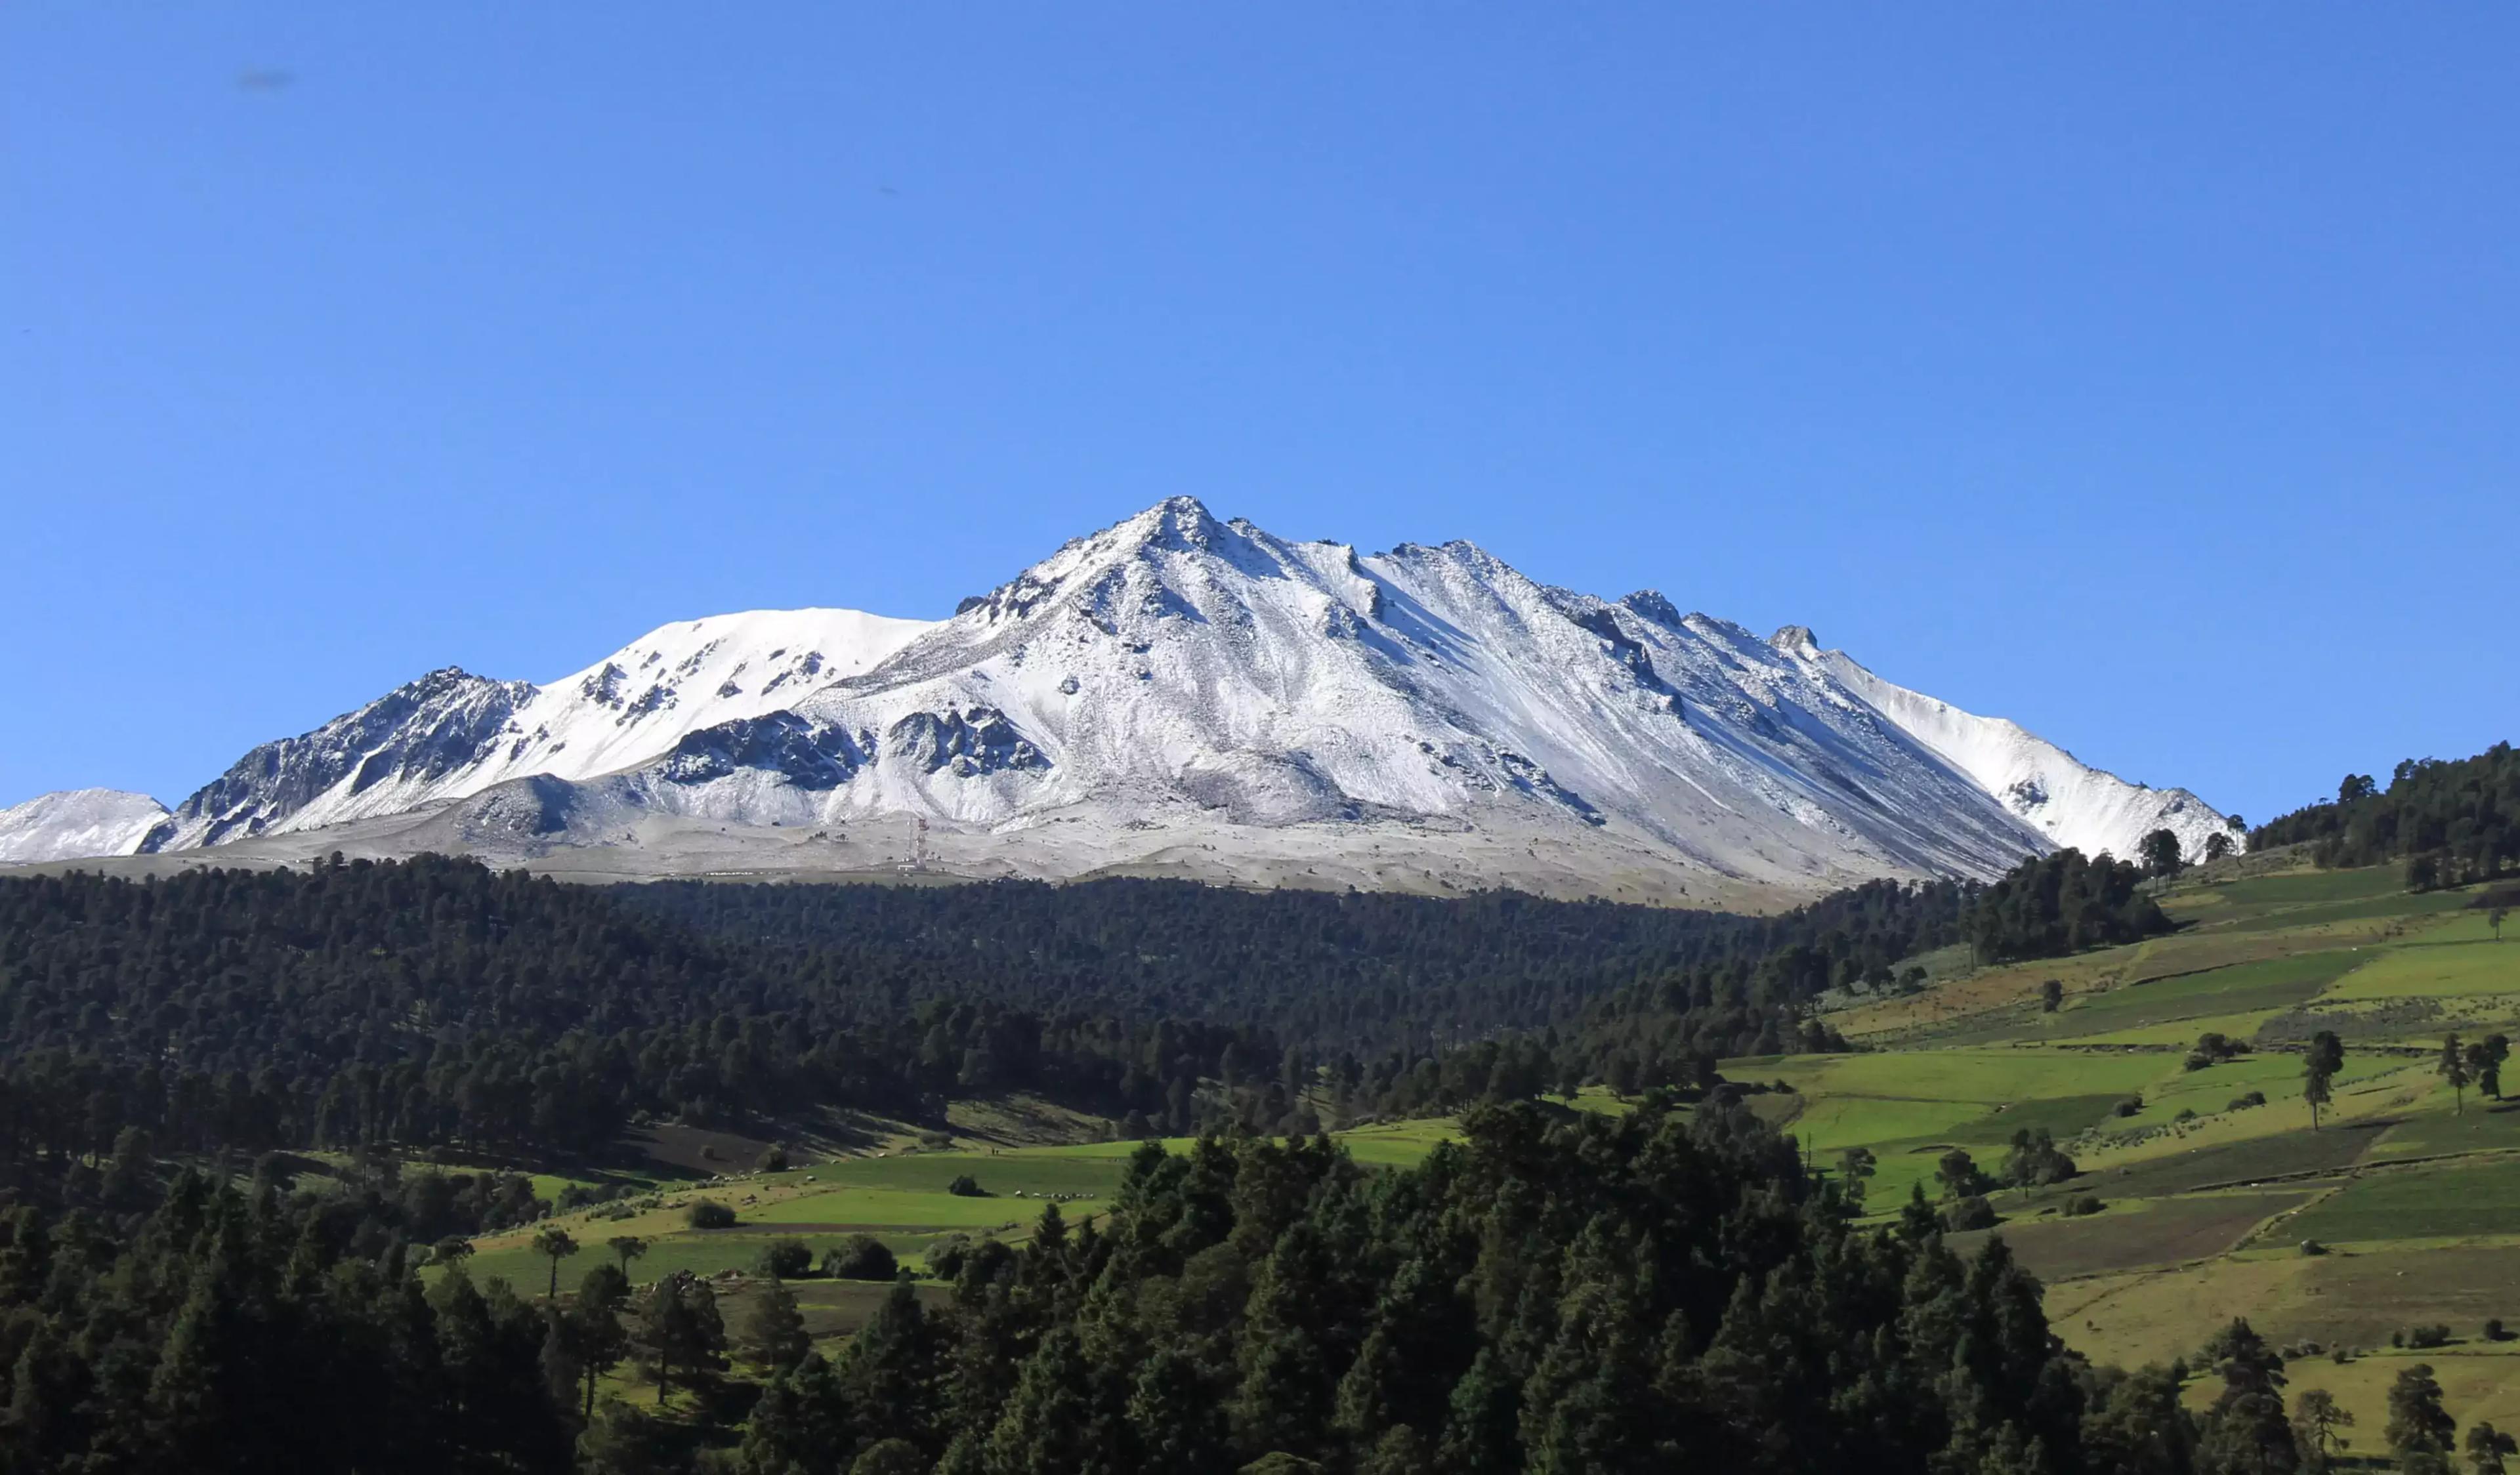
(1180,694)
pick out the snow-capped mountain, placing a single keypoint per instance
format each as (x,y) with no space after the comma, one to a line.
(452,734)
(77,822)
(1186,695)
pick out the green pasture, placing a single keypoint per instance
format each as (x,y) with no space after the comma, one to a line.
(856,1209)
(2429,966)
(1990,1075)
(2213,1089)
(2420,1202)
(1833,1124)
(2262,895)
(1094,1170)
(2182,1032)
(702,1252)
(2485,1126)
(2133,1235)
(2242,988)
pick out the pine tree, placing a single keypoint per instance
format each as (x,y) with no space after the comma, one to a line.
(2317,1418)
(555,1244)
(773,1331)
(562,1367)
(802,1424)
(1174,1418)
(2420,1430)
(2486,1449)
(1480,1437)
(2320,1065)
(1043,1430)
(2453,1068)
(890,1368)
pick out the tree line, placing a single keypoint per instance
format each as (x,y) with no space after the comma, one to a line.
(2455,822)
(1556,1293)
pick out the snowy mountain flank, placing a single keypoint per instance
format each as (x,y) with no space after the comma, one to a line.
(77,822)
(1178,695)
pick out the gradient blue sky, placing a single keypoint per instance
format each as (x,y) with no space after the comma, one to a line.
(2144,373)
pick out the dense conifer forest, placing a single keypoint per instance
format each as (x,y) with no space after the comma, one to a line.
(2455,822)
(1556,1293)
(1560,1293)
(434,1001)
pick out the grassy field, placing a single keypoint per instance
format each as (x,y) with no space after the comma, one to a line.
(2144,1232)
(2207,1201)
(2421,1202)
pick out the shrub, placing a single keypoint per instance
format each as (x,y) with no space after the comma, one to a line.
(2243,1104)
(2213,1048)
(967,1187)
(1970,1213)
(786,1258)
(891,1456)
(2130,1106)
(2434,1334)
(2185,1114)
(709,1214)
(2312,1247)
(770,1160)
(946,1256)
(932,1137)
(2084,1203)
(862,1257)
(2493,1331)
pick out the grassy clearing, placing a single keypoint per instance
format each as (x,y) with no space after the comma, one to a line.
(1030,1170)
(2242,988)
(2429,967)
(2259,896)
(1992,1076)
(2485,1126)
(2182,1168)
(856,1209)
(2478,1384)
(2421,1202)
(2141,1234)
(2180,1033)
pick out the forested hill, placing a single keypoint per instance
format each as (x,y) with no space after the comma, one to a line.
(1361,970)
(434,1001)
(2456,822)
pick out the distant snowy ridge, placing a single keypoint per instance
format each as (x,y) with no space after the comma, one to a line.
(77,822)
(452,734)
(1188,695)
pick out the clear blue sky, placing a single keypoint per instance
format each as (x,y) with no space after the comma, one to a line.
(2146,373)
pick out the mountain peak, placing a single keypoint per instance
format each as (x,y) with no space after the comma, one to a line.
(77,822)
(1205,699)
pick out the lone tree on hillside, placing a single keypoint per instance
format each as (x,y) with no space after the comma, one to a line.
(1855,1166)
(2315,1418)
(773,1331)
(2494,918)
(2160,854)
(2484,1061)
(2486,1446)
(2218,845)
(2050,995)
(2419,1428)
(2453,1069)
(555,1244)
(626,1248)
(2325,1058)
